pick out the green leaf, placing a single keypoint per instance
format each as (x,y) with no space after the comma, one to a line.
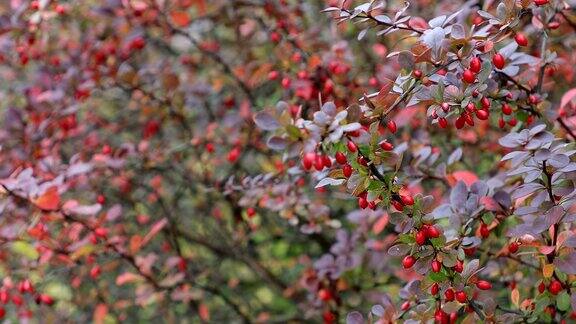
(563,301)
(293,131)
(437,276)
(58,291)
(25,249)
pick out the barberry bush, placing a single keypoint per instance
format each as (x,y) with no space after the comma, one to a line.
(283,161)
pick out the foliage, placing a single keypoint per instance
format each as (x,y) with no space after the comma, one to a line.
(288,161)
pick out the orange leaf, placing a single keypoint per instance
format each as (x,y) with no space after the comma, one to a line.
(49,200)
(515,297)
(180,18)
(100,313)
(204,312)
(135,243)
(468,177)
(380,224)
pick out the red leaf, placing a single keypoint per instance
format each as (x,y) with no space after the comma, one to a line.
(49,200)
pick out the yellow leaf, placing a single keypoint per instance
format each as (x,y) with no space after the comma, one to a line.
(548,270)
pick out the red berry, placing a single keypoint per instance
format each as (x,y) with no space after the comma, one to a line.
(470,251)
(340,158)
(392,126)
(4,296)
(483,285)
(445,106)
(398,205)
(2,312)
(286,82)
(326,160)
(506,109)
(442,122)
(273,75)
(521,40)
(324,294)
(540,2)
(499,61)
(485,102)
(95,272)
(436,266)
(434,289)
(471,107)
(362,202)
(433,232)
(533,99)
(501,122)
(459,122)
(352,147)
(347,170)
(420,237)
(250,211)
(449,294)
(386,146)
(541,287)
(308,160)
(408,261)
(329,317)
(46,299)
(407,200)
(555,287)
(475,65)
(513,247)
(482,114)
(512,122)
(417,74)
(461,296)
(406,305)
(469,76)
(484,231)
(459,267)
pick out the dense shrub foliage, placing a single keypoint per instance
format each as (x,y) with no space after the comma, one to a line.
(283,161)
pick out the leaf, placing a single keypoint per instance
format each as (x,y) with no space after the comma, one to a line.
(127,277)
(180,18)
(277,143)
(204,312)
(568,97)
(563,301)
(25,249)
(406,60)
(455,156)
(399,249)
(548,270)
(330,181)
(266,121)
(156,228)
(49,200)
(567,263)
(100,313)
(467,177)
(515,297)
(58,290)
(354,318)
